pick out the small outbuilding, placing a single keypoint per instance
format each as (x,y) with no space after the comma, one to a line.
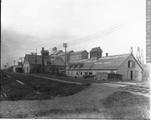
(32,63)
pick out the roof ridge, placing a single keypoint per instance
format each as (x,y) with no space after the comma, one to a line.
(124,60)
(115,55)
(78,51)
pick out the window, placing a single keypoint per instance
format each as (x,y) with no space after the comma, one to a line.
(131,64)
(81,73)
(128,64)
(90,73)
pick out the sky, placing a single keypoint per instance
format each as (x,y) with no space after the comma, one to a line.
(113,25)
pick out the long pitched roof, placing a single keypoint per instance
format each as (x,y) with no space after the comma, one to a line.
(107,62)
(96,49)
(110,62)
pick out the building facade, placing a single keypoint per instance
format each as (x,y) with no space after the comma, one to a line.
(96,52)
(32,63)
(125,65)
(74,56)
(62,55)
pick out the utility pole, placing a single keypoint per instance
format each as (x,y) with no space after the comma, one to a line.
(65,46)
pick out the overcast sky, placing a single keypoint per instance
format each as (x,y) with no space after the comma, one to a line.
(114,25)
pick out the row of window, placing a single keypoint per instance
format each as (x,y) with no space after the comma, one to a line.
(86,73)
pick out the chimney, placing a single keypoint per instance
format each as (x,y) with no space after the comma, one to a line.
(107,54)
(42,48)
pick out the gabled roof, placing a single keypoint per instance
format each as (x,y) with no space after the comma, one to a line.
(96,49)
(53,53)
(110,62)
(138,62)
(33,59)
(104,63)
(86,63)
(59,52)
(83,61)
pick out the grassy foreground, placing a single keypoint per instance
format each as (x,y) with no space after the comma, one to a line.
(34,88)
(125,105)
(97,101)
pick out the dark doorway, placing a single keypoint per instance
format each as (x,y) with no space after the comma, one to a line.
(131,75)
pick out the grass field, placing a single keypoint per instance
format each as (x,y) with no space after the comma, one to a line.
(125,105)
(34,88)
(34,100)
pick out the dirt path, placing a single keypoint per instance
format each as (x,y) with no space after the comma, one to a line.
(88,99)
